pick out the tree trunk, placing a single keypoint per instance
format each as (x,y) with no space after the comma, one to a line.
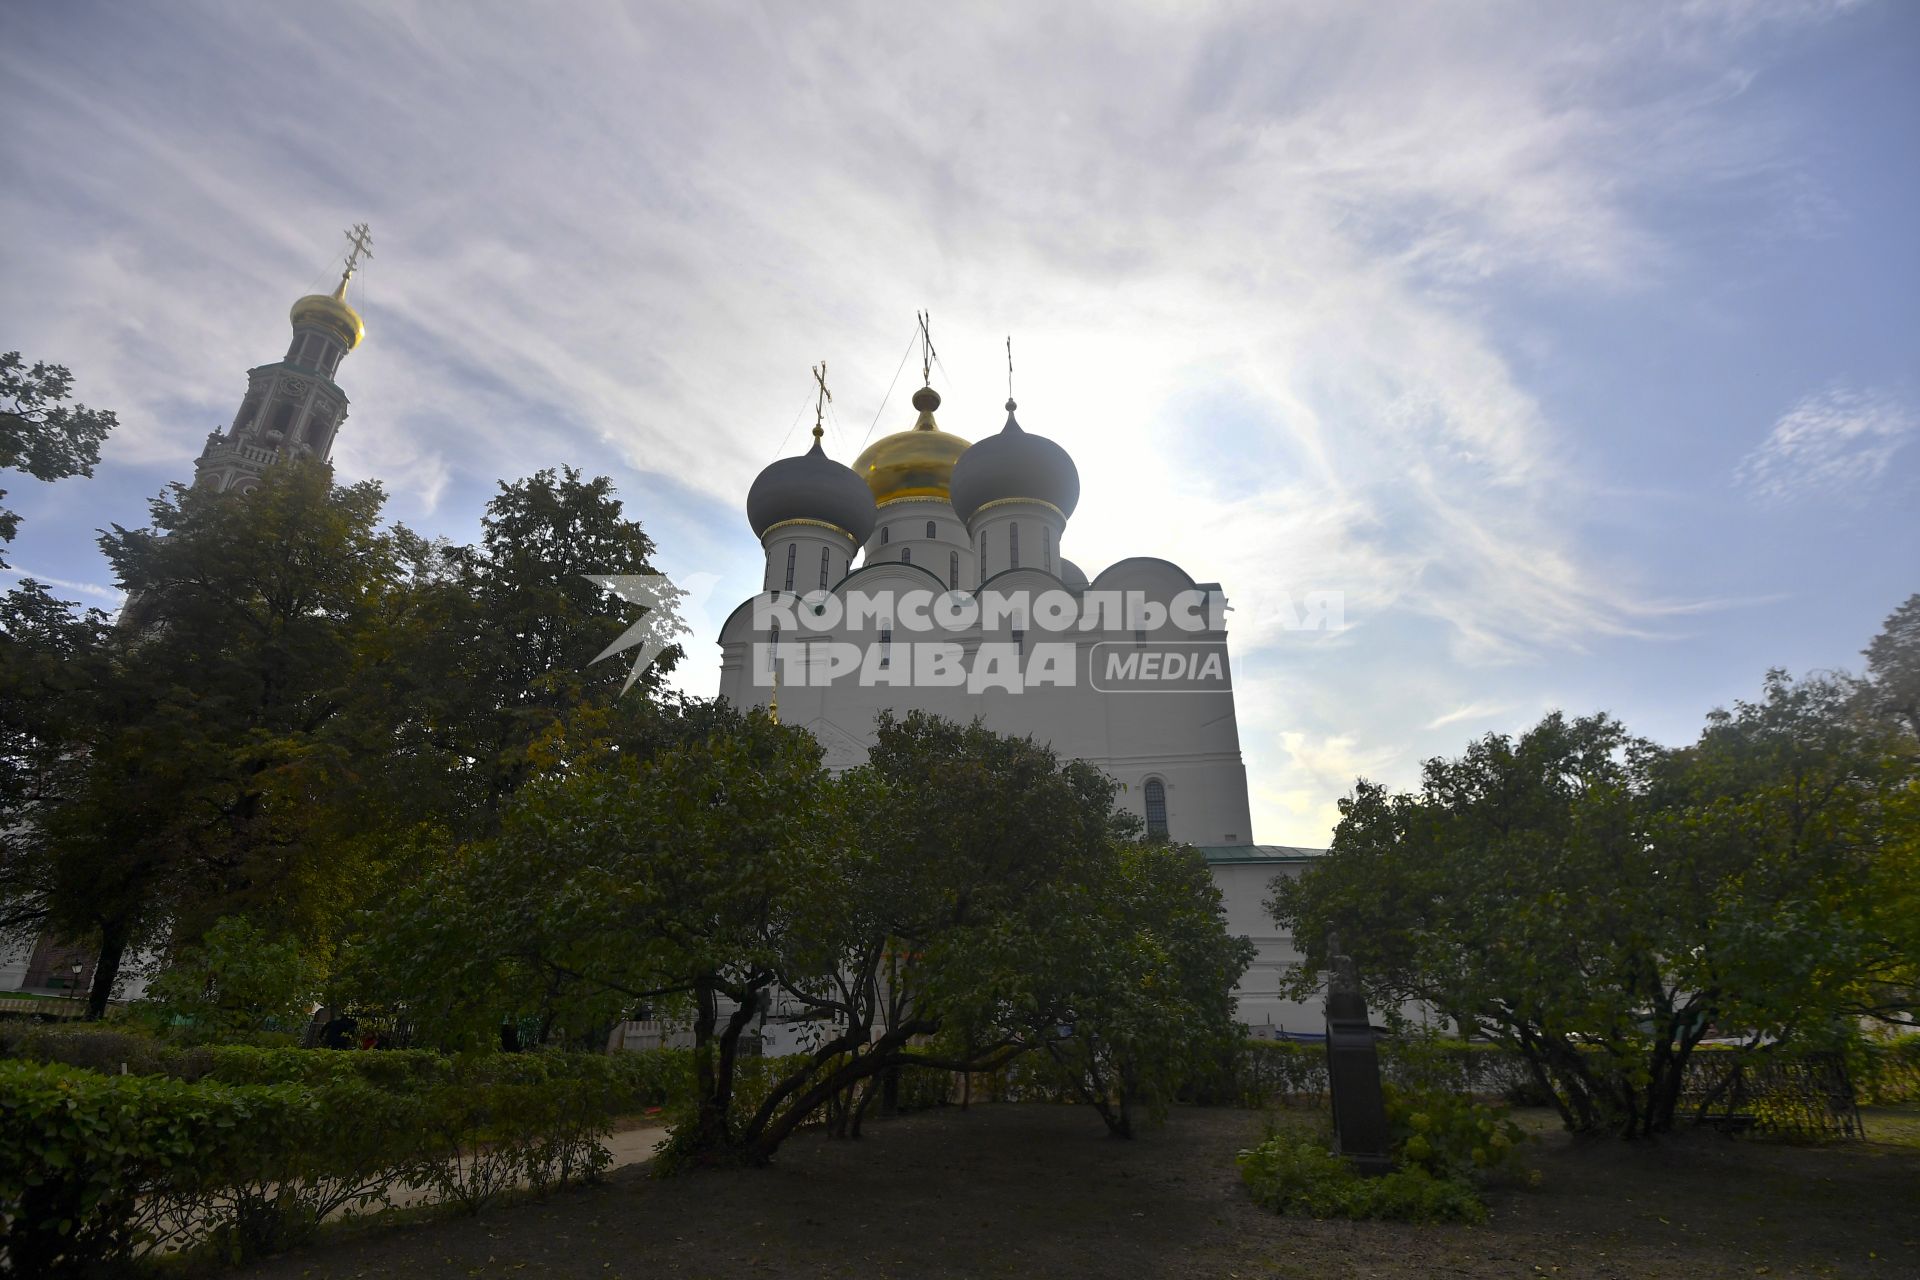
(106,971)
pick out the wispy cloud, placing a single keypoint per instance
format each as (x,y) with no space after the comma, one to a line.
(1471,711)
(1833,444)
(110,595)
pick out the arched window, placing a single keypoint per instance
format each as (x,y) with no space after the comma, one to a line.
(1013,545)
(826,558)
(793,550)
(886,646)
(886,536)
(953,570)
(1156,809)
(1046,549)
(773,647)
(930,529)
(906,555)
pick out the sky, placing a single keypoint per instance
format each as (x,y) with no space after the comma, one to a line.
(1576,347)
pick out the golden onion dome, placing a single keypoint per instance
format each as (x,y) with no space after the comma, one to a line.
(330,311)
(916,463)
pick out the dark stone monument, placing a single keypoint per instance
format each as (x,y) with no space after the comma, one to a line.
(1353,1070)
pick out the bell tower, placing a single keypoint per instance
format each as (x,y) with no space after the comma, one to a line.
(292,408)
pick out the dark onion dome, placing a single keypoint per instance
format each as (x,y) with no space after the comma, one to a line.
(811,487)
(1014,464)
(1072,574)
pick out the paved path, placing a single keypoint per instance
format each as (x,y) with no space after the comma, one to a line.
(633,1145)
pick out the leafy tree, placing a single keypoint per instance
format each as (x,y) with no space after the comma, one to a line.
(684,870)
(1599,905)
(39,434)
(235,723)
(52,663)
(1806,806)
(1138,997)
(922,912)
(1893,667)
(508,674)
(236,979)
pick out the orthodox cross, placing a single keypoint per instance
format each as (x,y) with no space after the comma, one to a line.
(927,355)
(822,400)
(1009,366)
(362,241)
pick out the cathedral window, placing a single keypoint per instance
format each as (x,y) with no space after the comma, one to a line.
(773,647)
(826,559)
(906,555)
(1156,809)
(886,646)
(930,529)
(1020,642)
(1013,545)
(953,570)
(1046,549)
(886,536)
(793,550)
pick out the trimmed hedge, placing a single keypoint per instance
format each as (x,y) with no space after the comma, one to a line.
(251,1154)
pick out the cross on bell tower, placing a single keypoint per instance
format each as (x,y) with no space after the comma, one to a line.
(292,408)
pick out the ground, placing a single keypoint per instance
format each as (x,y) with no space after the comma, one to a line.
(1040,1190)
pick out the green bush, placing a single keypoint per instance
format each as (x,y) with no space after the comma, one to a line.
(1450,1136)
(97,1168)
(1289,1175)
(1445,1147)
(80,1152)
(236,981)
(925,1088)
(341,1144)
(102,1050)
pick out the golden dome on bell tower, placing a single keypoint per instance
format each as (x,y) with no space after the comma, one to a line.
(916,463)
(329,311)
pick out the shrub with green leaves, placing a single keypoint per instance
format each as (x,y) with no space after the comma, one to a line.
(236,981)
(253,1155)
(1288,1174)
(1445,1148)
(1450,1136)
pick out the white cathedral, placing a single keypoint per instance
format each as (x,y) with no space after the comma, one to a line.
(926,524)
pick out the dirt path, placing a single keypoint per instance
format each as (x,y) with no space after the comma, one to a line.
(1035,1190)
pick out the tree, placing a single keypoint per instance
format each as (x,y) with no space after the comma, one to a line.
(40,435)
(235,725)
(1893,667)
(1599,905)
(1138,996)
(686,870)
(942,907)
(53,661)
(510,675)
(234,980)
(1806,806)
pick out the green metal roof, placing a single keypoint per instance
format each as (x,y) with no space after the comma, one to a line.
(1218,853)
